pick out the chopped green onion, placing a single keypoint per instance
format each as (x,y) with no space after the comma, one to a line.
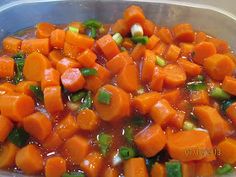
(20,61)
(74,174)
(93,32)
(123,49)
(126,153)
(225,104)
(101,30)
(128,134)
(225,169)
(136,30)
(140,91)
(92,23)
(160,61)
(200,78)
(104,143)
(138,120)
(18,136)
(173,169)
(75,97)
(73,29)
(87,101)
(36,90)
(140,39)
(104,97)
(88,71)
(188,125)
(219,94)
(196,86)
(117,38)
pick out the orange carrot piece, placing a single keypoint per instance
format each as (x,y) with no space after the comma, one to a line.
(111,172)
(7,155)
(7,88)
(152,42)
(87,58)
(135,167)
(67,127)
(36,45)
(24,87)
(29,159)
(148,66)
(92,164)
(157,81)
(138,52)
(55,56)
(199,97)
(148,27)
(128,79)
(158,170)
(108,46)
(6,67)
(227,150)
(78,25)
(67,63)
(120,104)
(200,37)
(186,49)
(57,38)
(71,51)
(188,169)
(133,14)
(127,43)
(222,46)
(88,120)
(72,79)
(160,48)
(121,27)
(52,142)
(202,51)
(5,128)
(172,96)
(34,67)
(204,169)
(53,99)
(231,113)
(165,35)
(178,120)
(212,121)
(174,75)
(11,44)
(172,53)
(55,167)
(38,125)
(44,29)
(151,140)
(218,66)
(229,85)
(16,106)
(51,77)
(162,112)
(190,68)
(144,102)
(183,33)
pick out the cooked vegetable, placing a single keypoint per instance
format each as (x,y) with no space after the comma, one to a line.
(73,29)
(104,97)
(37,92)
(219,94)
(104,143)
(118,38)
(75,97)
(87,101)
(188,125)
(127,153)
(92,23)
(74,174)
(136,30)
(196,86)
(20,61)
(55,166)
(140,39)
(135,167)
(225,104)
(88,71)
(160,61)
(19,137)
(173,169)
(128,134)
(225,169)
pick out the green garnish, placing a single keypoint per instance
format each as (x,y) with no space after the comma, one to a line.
(173,169)
(36,90)
(88,71)
(126,153)
(140,91)
(140,39)
(188,125)
(20,61)
(138,120)
(93,32)
(225,169)
(18,136)
(104,97)
(128,134)
(73,29)
(75,97)
(74,174)
(104,143)
(160,61)
(219,94)
(196,86)
(87,101)
(200,78)
(92,23)
(117,38)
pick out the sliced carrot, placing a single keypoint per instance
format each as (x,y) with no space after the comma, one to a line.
(212,121)
(71,51)
(144,102)
(138,52)
(67,127)
(178,120)
(16,106)
(119,104)
(7,88)
(199,97)
(186,49)
(172,53)
(53,99)
(183,33)
(8,154)
(174,75)
(72,79)
(57,38)
(188,169)
(218,66)
(202,51)
(162,112)
(128,79)
(34,67)
(29,159)
(92,164)
(231,113)
(160,48)
(52,142)
(189,145)
(87,58)
(152,42)
(55,167)
(108,46)
(133,14)
(200,37)
(75,149)
(11,44)
(6,67)
(127,43)
(158,170)
(38,125)
(172,96)
(204,169)
(36,45)
(78,25)
(67,63)
(165,35)
(157,81)
(5,127)
(151,140)
(190,68)
(88,120)
(227,150)
(148,66)
(221,45)
(44,29)
(111,172)
(55,56)
(229,85)
(24,87)
(135,167)
(148,27)
(51,77)
(121,27)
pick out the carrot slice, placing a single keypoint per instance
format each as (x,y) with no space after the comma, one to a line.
(178,120)
(160,48)
(151,140)
(72,79)
(222,46)
(190,68)
(37,125)
(11,44)
(44,29)
(135,167)
(55,56)
(148,27)
(34,67)
(8,154)
(92,164)
(229,85)
(188,169)
(204,169)
(172,53)
(67,63)
(138,52)
(165,35)
(7,88)
(111,172)
(200,37)
(133,14)
(36,45)
(87,120)
(172,96)
(231,113)
(55,167)
(186,49)
(157,81)
(186,145)
(148,66)
(53,99)
(6,67)
(227,150)
(174,75)
(199,97)
(87,58)
(16,106)
(152,42)
(121,27)
(51,77)
(57,38)
(183,33)
(144,102)
(5,127)
(75,149)
(218,66)
(24,87)
(52,142)
(158,170)
(71,51)
(127,43)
